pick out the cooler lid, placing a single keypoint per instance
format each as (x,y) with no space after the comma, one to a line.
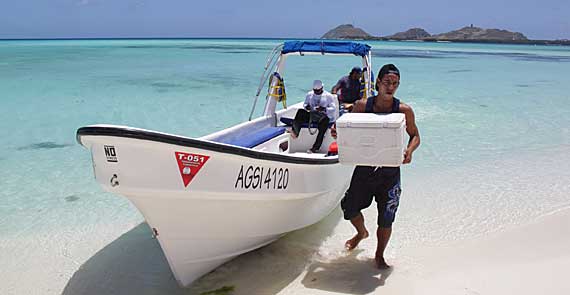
(371,120)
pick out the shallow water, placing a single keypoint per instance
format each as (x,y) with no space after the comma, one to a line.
(494,121)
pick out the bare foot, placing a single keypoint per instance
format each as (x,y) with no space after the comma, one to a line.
(381,263)
(352,243)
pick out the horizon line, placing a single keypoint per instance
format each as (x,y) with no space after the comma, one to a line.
(527,42)
(153,38)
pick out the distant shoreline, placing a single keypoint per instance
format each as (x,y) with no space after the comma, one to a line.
(509,42)
(467,34)
(151,38)
(427,40)
(479,41)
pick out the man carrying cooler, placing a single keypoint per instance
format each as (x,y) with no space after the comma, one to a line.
(380,183)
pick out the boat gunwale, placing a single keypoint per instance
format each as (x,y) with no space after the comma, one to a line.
(197,143)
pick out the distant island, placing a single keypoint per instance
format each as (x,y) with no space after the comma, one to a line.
(466,34)
(346,32)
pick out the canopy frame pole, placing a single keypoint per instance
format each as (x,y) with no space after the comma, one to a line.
(270,64)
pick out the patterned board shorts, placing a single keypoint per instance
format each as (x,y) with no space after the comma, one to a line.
(367,183)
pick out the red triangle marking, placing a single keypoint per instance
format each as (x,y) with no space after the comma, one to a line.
(189,165)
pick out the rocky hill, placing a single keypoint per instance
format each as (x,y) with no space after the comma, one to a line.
(411,34)
(469,34)
(346,31)
(480,34)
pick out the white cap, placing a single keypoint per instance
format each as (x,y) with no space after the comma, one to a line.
(318,84)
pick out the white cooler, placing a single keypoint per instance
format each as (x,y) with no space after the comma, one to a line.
(371,139)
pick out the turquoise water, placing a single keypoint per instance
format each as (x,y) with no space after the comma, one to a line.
(494,122)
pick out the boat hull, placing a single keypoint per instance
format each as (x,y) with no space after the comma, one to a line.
(208,202)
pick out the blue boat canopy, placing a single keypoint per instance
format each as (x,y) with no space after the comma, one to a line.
(355,48)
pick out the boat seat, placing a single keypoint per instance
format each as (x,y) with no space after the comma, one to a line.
(255,138)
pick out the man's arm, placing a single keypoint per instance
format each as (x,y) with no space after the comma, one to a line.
(412,131)
(338,85)
(359,106)
(306,104)
(331,107)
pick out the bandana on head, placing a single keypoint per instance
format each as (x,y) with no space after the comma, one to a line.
(388,69)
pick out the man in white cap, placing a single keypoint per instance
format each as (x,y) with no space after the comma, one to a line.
(319,108)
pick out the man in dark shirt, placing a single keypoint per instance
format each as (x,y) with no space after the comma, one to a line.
(349,88)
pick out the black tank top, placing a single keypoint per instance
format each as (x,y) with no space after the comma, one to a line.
(370,105)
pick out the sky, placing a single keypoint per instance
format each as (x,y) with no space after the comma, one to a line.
(544,19)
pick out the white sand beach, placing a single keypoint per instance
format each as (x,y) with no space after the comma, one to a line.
(505,236)
(530,259)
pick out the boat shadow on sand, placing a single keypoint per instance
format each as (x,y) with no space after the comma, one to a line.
(135,264)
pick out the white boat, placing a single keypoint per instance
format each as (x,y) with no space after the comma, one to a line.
(212,198)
